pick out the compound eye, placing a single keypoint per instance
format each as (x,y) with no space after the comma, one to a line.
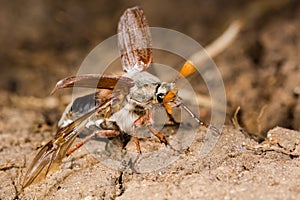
(160,97)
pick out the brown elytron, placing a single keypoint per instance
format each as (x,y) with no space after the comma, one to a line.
(113,113)
(134,40)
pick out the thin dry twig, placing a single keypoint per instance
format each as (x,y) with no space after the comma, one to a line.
(218,45)
(258,120)
(215,48)
(235,120)
(265,148)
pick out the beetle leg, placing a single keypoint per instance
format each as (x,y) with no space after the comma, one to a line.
(139,122)
(138,148)
(98,133)
(146,119)
(172,121)
(161,138)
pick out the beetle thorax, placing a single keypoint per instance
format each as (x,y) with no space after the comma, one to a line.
(147,90)
(143,92)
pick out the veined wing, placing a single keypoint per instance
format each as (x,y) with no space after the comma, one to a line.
(51,155)
(82,105)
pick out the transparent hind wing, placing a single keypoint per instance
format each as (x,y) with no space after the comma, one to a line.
(51,155)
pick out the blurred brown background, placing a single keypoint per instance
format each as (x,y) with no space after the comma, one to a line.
(44,41)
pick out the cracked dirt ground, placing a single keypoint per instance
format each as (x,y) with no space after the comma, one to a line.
(43,42)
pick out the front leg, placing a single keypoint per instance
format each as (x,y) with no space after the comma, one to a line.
(146,119)
(172,121)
